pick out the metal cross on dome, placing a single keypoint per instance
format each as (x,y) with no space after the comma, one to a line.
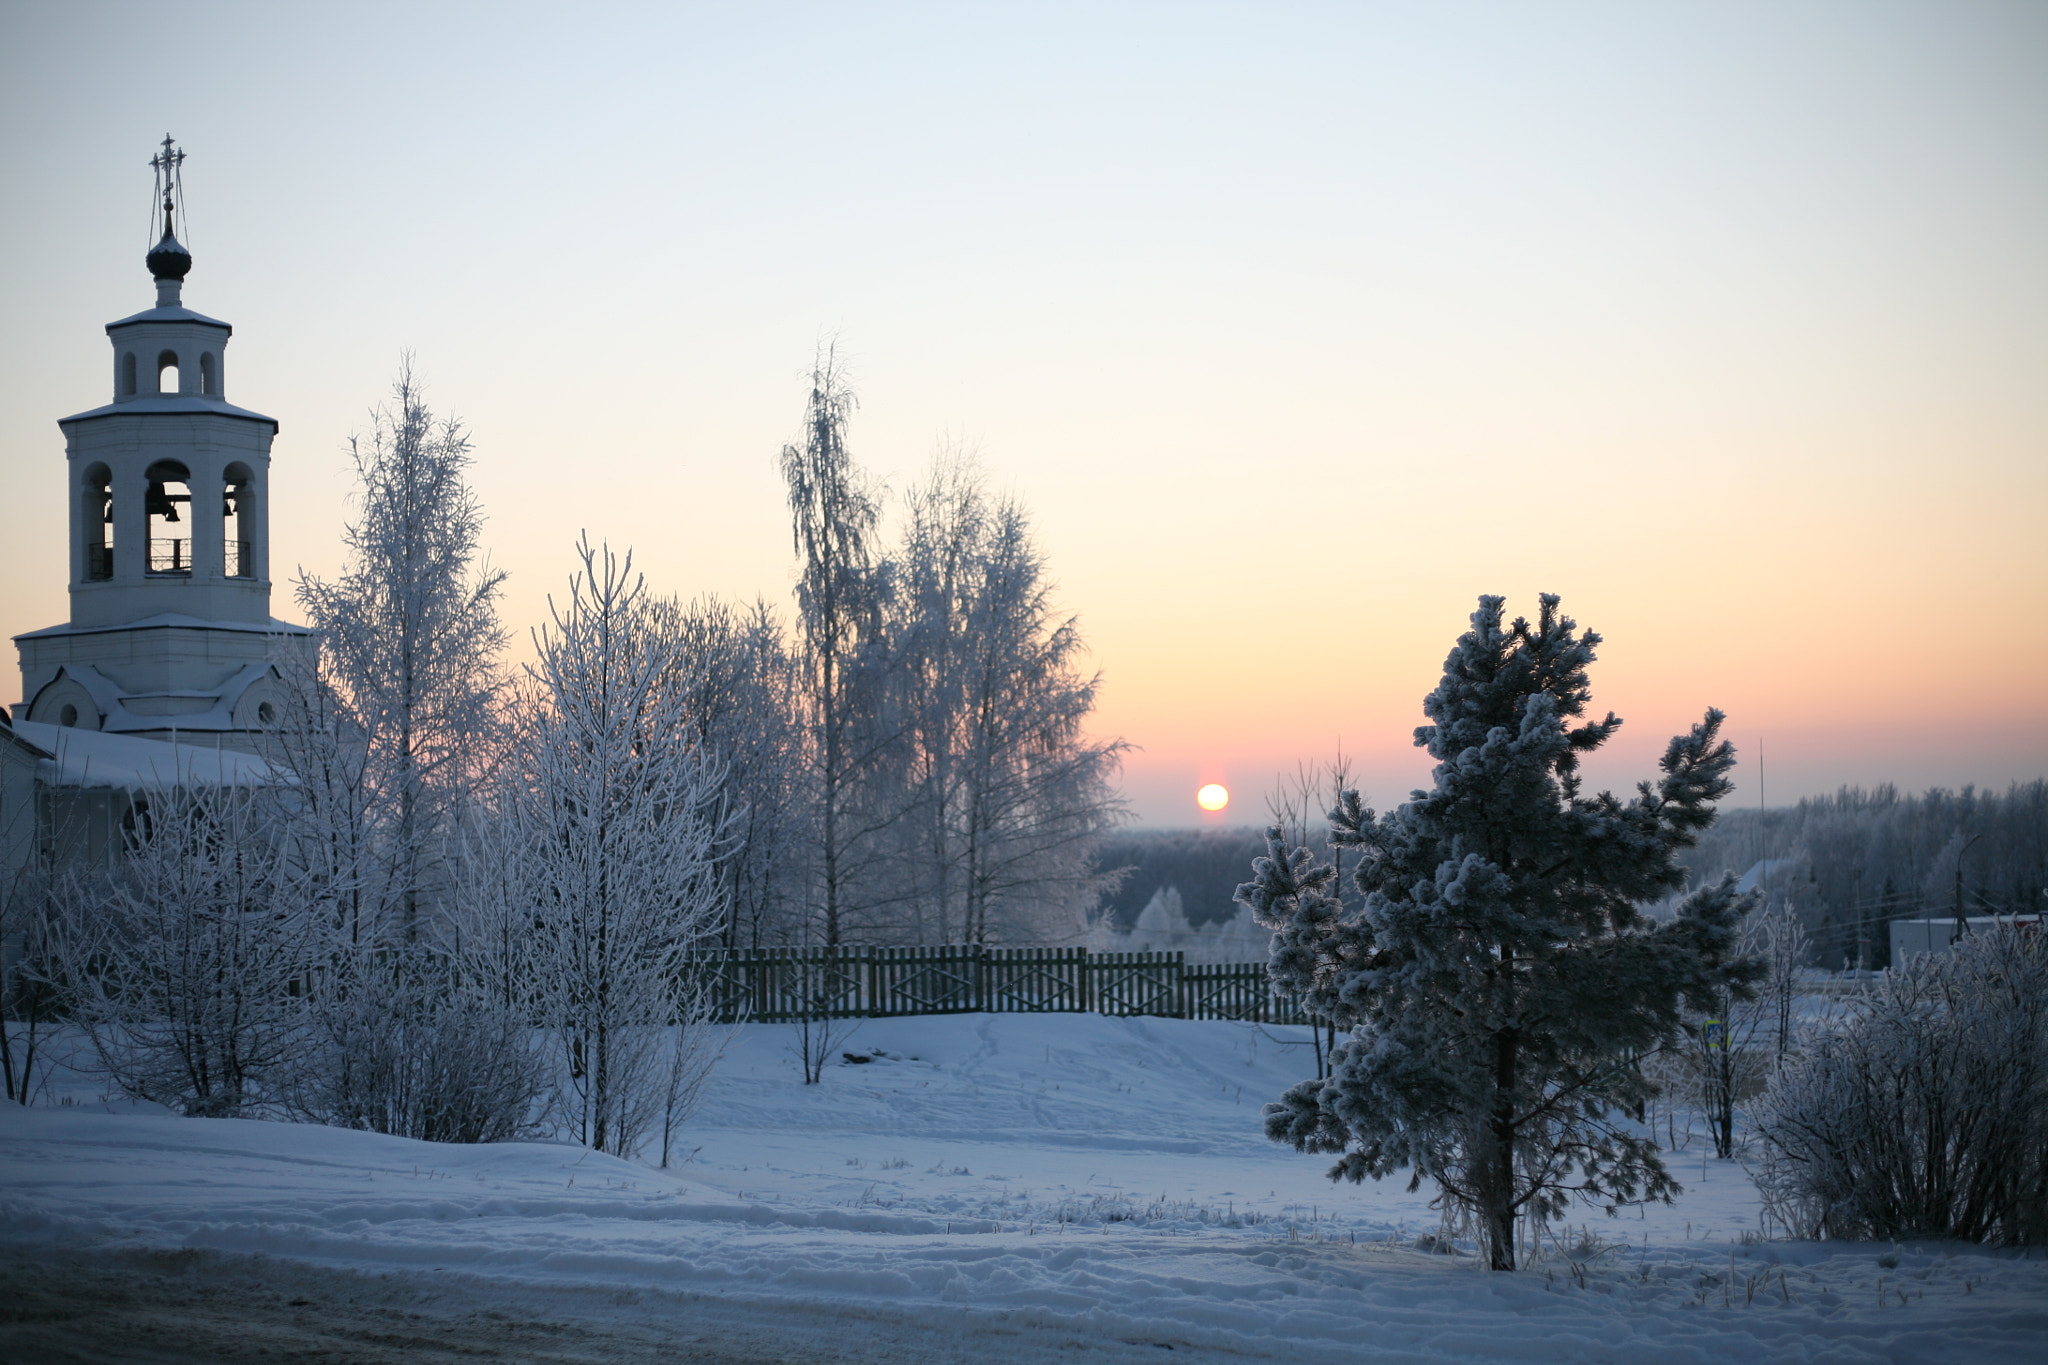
(166,163)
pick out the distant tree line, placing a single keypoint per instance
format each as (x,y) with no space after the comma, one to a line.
(1852,862)
(1845,864)
(1204,866)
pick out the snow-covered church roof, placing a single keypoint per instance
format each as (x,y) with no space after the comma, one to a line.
(92,758)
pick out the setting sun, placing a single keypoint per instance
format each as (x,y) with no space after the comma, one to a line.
(1215,796)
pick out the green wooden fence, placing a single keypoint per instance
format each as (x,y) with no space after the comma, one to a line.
(777,985)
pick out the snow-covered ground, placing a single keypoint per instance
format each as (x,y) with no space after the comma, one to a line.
(1012,1187)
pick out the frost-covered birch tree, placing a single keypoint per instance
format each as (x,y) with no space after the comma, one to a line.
(609,833)
(409,640)
(388,727)
(1006,795)
(740,687)
(834,514)
(1497,979)
(331,830)
(943,702)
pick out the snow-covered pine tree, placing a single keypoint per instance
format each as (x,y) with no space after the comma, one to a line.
(1497,980)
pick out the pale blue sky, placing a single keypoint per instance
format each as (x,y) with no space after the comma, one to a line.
(1298,325)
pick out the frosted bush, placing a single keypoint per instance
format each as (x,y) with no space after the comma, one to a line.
(411,1048)
(1924,1113)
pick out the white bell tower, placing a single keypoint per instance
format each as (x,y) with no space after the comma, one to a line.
(168,493)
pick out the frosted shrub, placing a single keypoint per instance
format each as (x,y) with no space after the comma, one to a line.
(30,978)
(407,1048)
(177,960)
(607,824)
(1925,1112)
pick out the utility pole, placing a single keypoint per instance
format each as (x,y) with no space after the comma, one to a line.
(1962,925)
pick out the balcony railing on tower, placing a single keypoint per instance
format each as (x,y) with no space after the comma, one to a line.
(170,556)
(99,563)
(241,559)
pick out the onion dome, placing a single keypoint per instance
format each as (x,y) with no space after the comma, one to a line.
(168,259)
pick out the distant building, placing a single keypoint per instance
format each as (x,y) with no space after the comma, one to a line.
(1912,937)
(1767,873)
(163,673)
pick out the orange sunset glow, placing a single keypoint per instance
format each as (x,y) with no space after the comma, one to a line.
(1294,336)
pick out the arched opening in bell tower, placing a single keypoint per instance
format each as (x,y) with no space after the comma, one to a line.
(128,375)
(238,523)
(96,522)
(209,373)
(168,503)
(167,372)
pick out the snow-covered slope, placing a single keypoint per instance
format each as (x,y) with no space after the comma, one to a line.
(1096,1176)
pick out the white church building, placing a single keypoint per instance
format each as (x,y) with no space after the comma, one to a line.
(163,674)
